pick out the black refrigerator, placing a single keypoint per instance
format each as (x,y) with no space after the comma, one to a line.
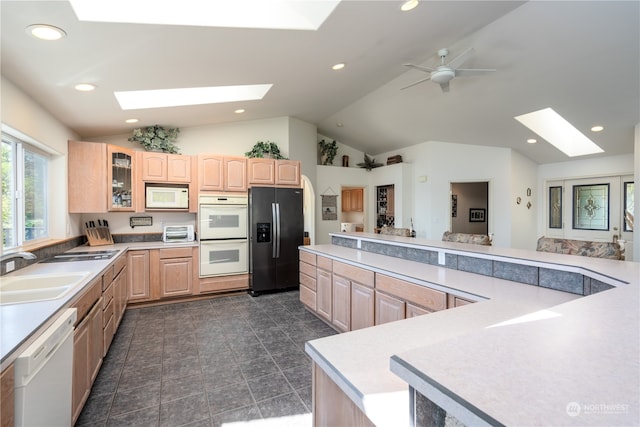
(276,227)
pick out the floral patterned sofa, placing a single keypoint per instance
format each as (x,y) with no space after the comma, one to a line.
(608,250)
(475,239)
(392,231)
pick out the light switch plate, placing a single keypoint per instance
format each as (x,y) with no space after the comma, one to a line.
(441,258)
(11,265)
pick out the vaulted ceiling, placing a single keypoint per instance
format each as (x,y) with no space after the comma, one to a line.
(580,58)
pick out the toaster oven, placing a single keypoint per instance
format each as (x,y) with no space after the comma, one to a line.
(178,233)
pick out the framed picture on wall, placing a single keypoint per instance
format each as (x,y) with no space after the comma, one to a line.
(477,215)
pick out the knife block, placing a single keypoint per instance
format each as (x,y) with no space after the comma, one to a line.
(99,236)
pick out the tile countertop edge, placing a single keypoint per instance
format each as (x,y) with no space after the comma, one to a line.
(46,311)
(606,270)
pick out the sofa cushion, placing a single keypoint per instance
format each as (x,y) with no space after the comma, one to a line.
(392,231)
(476,239)
(608,250)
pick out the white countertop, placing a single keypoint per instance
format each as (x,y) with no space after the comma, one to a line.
(358,361)
(21,323)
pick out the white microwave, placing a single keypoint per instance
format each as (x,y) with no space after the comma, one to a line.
(167,197)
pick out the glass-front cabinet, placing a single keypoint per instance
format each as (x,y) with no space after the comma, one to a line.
(120,178)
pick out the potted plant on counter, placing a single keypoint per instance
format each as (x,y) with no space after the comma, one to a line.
(328,151)
(157,138)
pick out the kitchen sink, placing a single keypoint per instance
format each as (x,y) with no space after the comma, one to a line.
(38,287)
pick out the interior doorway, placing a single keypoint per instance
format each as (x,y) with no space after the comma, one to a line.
(470,207)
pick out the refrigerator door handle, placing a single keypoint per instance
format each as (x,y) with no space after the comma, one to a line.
(274,231)
(278,233)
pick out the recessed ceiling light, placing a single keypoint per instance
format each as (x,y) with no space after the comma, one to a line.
(597,129)
(139,99)
(559,132)
(531,141)
(131,121)
(45,32)
(239,111)
(274,14)
(409,5)
(85,87)
(339,124)
(338,66)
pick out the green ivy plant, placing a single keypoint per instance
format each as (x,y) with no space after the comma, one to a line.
(157,138)
(369,163)
(265,149)
(328,151)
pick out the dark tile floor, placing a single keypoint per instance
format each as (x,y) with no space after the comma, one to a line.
(208,363)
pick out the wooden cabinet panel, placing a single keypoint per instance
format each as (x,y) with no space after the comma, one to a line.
(414,310)
(154,166)
(120,296)
(323,294)
(178,168)
(307,269)
(308,297)
(324,263)
(456,301)
(87,182)
(7,397)
(308,281)
(176,277)
(352,200)
(121,179)
(362,306)
(138,270)
(357,274)
(261,171)
(176,253)
(388,308)
(235,174)
(307,257)
(341,314)
(87,299)
(80,385)
(288,173)
(210,172)
(96,342)
(346,200)
(410,292)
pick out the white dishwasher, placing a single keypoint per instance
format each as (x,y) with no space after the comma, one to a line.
(43,375)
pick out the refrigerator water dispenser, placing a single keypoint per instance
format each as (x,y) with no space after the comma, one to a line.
(263,232)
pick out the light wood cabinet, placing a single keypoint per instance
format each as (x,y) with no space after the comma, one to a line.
(414,310)
(121,186)
(138,270)
(269,172)
(454,301)
(362,306)
(422,296)
(341,314)
(308,285)
(222,173)
(86,172)
(175,277)
(324,295)
(352,200)
(164,167)
(7,397)
(388,308)
(87,356)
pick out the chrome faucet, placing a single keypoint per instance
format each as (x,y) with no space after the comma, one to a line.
(25,255)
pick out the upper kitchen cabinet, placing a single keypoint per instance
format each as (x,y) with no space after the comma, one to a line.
(352,200)
(87,168)
(88,164)
(164,167)
(120,178)
(268,172)
(222,173)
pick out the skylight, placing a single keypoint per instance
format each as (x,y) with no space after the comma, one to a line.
(140,99)
(559,132)
(272,14)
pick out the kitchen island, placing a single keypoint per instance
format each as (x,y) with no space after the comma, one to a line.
(457,362)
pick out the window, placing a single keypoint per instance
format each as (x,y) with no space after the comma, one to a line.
(24,193)
(629,190)
(591,207)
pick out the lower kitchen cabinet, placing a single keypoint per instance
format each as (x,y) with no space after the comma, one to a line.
(362,306)
(324,295)
(176,277)
(341,316)
(388,308)
(7,397)
(138,270)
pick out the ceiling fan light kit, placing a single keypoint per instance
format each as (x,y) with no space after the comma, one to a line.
(446,72)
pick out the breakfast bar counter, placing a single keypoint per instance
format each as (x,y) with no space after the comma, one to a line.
(466,361)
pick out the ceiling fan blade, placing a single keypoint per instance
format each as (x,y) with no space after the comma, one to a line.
(463,72)
(444,87)
(416,83)
(459,60)
(420,67)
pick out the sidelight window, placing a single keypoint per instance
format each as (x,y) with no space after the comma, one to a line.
(591,207)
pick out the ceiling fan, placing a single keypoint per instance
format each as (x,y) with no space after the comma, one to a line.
(445,72)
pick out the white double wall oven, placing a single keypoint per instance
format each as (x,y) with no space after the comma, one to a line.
(224,247)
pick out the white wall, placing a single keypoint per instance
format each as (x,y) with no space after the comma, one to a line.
(26,119)
(355,156)
(524,234)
